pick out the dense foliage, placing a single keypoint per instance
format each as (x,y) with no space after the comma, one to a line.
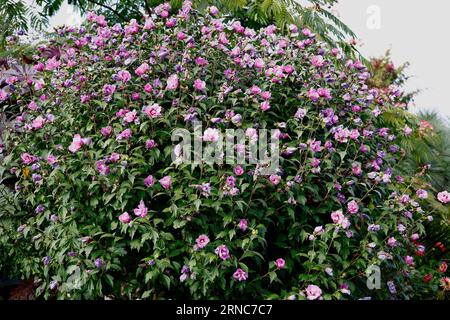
(102,210)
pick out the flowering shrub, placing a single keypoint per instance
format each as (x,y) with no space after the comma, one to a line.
(104,210)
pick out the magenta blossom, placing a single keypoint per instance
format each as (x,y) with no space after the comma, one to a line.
(201,61)
(130,117)
(106,131)
(259,63)
(300,114)
(213,10)
(102,167)
(293,28)
(149,181)
(313,95)
(356,169)
(51,159)
(114,157)
(243,224)
(337,217)
(148,88)
(153,111)
(223,252)
(280,263)
(150,144)
(33,106)
(3,95)
(265,106)
(409,260)
(239,171)
(255,90)
(392,242)
(317,61)
(315,146)
(240,275)
(324,93)
(422,194)
(38,123)
(231,181)
(407,131)
(266,95)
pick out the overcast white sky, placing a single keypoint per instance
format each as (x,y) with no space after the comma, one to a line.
(414,30)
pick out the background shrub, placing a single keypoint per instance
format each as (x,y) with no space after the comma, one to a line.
(101,208)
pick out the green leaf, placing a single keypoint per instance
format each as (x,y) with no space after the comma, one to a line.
(272,276)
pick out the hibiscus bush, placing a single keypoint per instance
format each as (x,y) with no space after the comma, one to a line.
(103,210)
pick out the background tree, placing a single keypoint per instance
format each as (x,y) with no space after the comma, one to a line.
(432,149)
(429,147)
(19,16)
(314,14)
(432,144)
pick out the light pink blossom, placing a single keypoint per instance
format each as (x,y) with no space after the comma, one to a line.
(124,135)
(265,106)
(199,85)
(142,69)
(444,197)
(38,123)
(166,182)
(211,135)
(172,82)
(141,210)
(202,241)
(317,61)
(76,144)
(313,292)
(353,207)
(124,76)
(153,111)
(125,217)
(337,217)
(275,179)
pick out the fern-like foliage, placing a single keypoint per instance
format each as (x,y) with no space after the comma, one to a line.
(314,14)
(430,146)
(17,15)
